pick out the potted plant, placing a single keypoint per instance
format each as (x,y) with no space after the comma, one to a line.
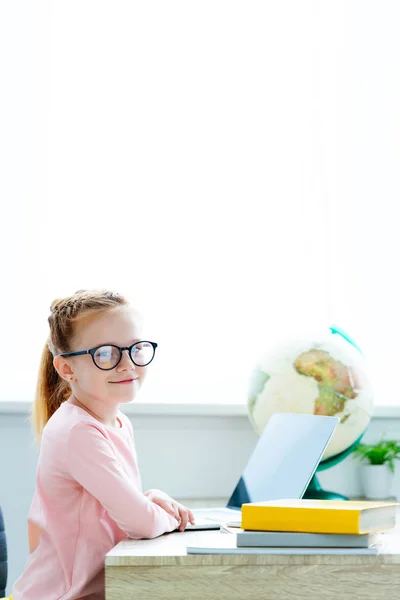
(377,467)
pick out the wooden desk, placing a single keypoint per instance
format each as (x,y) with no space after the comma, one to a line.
(160,569)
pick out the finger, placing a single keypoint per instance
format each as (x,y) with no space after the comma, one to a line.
(173,511)
(176,510)
(167,506)
(171,508)
(191,517)
(184,514)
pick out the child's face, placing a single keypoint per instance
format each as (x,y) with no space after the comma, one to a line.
(122,328)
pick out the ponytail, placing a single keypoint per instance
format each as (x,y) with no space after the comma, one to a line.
(51,392)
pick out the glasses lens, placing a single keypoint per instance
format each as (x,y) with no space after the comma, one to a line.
(106,357)
(142,353)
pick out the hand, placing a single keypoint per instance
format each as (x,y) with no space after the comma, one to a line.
(181,513)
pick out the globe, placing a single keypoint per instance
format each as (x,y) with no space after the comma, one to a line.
(322,373)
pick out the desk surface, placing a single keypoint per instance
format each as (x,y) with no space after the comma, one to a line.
(170,550)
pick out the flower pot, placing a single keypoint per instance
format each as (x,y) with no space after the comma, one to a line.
(376,481)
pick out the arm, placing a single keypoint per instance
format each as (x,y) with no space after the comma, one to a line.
(34,518)
(93,464)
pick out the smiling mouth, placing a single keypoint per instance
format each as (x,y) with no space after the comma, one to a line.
(126,380)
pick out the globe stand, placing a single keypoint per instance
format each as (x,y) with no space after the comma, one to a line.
(314,490)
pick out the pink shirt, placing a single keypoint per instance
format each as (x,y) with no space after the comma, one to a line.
(88,497)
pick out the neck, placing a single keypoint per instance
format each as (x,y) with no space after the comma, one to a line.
(103,413)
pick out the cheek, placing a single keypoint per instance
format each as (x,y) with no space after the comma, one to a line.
(142,374)
(91,379)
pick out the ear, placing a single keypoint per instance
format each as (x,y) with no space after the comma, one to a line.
(63,367)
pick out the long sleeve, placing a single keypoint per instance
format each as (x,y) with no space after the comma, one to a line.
(35,521)
(93,463)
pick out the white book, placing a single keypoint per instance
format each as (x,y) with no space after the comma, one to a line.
(223,550)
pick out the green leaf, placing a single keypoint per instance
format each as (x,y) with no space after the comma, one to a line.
(384,452)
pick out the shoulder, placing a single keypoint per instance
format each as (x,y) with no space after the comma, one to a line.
(86,431)
(69,420)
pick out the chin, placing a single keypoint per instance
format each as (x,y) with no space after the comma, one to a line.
(126,399)
(125,396)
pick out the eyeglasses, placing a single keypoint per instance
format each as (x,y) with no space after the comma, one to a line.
(109,356)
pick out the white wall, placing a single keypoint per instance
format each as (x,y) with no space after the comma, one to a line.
(189,457)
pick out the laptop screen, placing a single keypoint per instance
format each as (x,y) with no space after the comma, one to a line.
(284,459)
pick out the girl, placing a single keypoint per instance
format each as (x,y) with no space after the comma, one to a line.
(88,494)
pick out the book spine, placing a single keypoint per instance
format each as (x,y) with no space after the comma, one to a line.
(293,540)
(291,551)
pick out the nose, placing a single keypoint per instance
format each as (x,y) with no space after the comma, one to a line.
(126,363)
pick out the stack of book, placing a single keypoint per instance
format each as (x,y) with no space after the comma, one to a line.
(305,527)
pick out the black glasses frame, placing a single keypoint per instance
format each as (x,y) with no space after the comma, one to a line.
(93,351)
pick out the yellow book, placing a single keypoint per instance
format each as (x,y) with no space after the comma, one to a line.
(319,516)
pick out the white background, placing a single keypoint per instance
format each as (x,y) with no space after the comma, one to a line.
(230,166)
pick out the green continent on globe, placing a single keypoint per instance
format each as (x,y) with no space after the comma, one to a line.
(337,383)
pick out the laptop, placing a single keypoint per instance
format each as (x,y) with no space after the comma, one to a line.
(281,466)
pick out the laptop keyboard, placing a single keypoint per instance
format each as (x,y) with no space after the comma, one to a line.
(217,514)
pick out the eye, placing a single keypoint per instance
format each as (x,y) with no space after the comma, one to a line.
(106,357)
(104,353)
(140,347)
